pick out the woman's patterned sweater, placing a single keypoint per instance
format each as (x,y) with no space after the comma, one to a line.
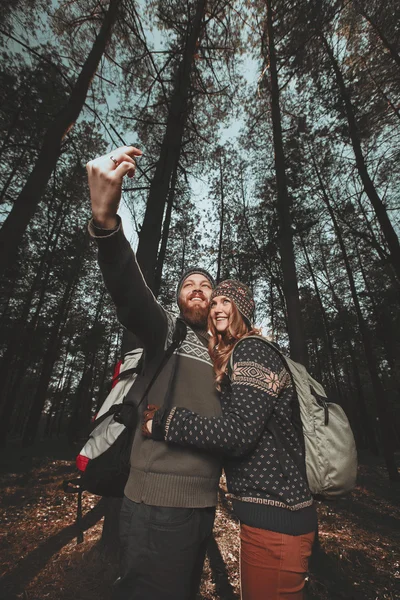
(267,486)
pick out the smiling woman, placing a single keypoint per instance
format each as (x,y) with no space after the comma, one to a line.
(220,313)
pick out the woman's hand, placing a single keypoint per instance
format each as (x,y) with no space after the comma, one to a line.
(105,175)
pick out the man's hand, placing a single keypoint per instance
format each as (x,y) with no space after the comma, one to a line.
(105,176)
(153,422)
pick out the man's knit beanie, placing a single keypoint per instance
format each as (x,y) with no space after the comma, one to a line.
(240,294)
(193,271)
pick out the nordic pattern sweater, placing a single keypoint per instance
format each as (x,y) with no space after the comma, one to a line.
(161,475)
(267,486)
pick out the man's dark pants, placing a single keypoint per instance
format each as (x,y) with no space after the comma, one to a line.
(162,551)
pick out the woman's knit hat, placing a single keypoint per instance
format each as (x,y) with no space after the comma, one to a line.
(240,294)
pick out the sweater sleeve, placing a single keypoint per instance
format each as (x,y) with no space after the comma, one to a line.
(136,306)
(257,381)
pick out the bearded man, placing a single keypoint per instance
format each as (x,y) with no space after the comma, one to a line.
(169,505)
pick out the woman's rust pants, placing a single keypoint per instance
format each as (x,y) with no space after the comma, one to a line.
(273,565)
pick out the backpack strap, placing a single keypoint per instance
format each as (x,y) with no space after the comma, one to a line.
(131,399)
(255,337)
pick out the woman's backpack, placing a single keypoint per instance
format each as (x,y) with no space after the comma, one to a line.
(330,449)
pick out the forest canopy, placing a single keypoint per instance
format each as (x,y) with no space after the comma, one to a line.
(271,140)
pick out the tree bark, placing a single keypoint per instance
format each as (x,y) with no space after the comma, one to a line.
(25,205)
(298,347)
(165,233)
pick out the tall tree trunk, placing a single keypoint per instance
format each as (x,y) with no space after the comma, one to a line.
(165,233)
(379,393)
(25,205)
(298,348)
(387,228)
(150,234)
(50,356)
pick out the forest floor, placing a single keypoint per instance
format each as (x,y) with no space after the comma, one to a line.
(41,559)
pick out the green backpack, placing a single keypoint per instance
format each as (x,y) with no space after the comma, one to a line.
(330,449)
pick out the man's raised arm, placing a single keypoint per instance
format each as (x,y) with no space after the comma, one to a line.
(137,307)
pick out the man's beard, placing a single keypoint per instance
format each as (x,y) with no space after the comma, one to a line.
(195,316)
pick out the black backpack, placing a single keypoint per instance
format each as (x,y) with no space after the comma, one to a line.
(105,457)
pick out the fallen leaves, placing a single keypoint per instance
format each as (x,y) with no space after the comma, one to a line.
(40,558)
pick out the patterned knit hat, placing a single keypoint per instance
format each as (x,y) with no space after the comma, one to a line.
(240,294)
(193,271)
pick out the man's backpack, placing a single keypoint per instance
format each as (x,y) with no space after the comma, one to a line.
(104,459)
(330,450)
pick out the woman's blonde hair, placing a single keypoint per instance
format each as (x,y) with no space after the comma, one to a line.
(220,346)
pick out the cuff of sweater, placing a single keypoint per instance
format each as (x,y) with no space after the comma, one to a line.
(99,232)
(111,243)
(168,419)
